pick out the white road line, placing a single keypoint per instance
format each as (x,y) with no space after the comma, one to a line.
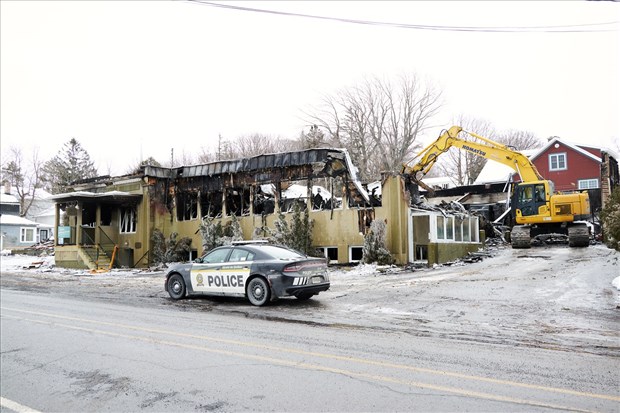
(16,407)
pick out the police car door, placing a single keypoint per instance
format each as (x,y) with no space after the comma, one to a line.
(205,276)
(236,270)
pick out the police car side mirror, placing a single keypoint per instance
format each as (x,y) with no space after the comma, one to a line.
(198,260)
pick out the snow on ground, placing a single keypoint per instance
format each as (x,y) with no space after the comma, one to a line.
(47,264)
(616,283)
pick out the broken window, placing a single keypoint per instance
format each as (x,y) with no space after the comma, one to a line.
(89,213)
(264,199)
(237,201)
(187,206)
(421,253)
(374,193)
(128,220)
(356,200)
(292,193)
(211,204)
(106,215)
(331,253)
(364,219)
(356,254)
(323,194)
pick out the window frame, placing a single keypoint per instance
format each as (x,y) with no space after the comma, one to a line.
(23,231)
(582,181)
(133,220)
(557,156)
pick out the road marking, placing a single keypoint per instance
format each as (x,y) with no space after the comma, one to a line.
(316,367)
(329,356)
(16,407)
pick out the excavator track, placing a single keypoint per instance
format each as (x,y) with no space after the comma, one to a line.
(520,236)
(578,235)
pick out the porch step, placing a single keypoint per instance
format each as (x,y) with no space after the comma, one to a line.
(89,256)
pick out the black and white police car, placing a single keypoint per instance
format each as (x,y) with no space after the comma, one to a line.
(262,272)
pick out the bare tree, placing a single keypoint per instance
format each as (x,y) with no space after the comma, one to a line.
(259,144)
(463,167)
(26,177)
(519,140)
(247,146)
(315,138)
(377,121)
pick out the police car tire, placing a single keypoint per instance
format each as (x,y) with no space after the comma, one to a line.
(176,286)
(258,291)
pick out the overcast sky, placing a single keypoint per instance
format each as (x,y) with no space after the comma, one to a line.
(130,80)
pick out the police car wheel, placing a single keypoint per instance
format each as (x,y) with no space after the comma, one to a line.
(258,291)
(176,287)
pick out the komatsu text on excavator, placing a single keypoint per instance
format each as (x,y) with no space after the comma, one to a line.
(538,209)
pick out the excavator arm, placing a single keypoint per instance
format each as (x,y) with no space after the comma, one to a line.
(481,146)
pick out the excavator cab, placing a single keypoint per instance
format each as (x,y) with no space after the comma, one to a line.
(529,197)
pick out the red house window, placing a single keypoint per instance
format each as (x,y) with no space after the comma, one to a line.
(557,162)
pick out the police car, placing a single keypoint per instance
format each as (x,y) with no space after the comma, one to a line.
(261,272)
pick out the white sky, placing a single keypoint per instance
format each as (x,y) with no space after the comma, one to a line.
(130,80)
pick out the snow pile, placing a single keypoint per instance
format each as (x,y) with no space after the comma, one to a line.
(616,283)
(358,270)
(20,262)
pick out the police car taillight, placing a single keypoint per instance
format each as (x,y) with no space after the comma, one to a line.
(293,268)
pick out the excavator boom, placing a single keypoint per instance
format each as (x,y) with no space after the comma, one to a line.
(482,147)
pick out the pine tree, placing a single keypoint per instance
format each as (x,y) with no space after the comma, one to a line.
(296,235)
(70,164)
(211,233)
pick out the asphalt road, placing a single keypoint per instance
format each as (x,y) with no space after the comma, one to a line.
(74,354)
(523,330)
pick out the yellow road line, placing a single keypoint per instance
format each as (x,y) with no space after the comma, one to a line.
(334,357)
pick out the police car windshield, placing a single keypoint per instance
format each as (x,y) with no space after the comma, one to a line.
(280,253)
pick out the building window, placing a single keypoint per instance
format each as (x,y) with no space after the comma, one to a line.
(356,254)
(557,162)
(331,253)
(26,235)
(128,220)
(587,183)
(441,231)
(187,206)
(457,229)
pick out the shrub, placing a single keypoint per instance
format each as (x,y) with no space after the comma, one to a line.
(610,219)
(171,250)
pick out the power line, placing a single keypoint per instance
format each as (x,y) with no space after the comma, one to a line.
(573,28)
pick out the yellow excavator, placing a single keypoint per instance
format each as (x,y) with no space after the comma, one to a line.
(538,209)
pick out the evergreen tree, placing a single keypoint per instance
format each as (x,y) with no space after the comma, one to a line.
(375,249)
(297,235)
(610,217)
(211,233)
(70,164)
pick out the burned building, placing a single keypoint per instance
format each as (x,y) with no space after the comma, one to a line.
(109,219)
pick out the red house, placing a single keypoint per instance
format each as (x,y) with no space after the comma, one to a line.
(575,167)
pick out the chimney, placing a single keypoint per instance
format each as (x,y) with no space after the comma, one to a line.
(7,187)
